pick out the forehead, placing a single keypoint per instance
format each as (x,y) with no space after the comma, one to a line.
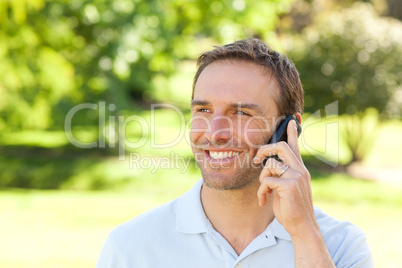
(237,81)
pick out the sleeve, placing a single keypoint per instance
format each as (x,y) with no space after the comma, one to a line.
(110,256)
(355,253)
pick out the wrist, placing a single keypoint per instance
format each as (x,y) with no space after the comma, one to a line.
(311,243)
(305,229)
(306,233)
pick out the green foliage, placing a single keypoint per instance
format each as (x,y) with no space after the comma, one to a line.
(351,55)
(46,160)
(56,54)
(40,168)
(359,132)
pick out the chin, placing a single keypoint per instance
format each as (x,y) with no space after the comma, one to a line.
(224,182)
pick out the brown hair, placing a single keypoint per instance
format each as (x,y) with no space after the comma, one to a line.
(257,51)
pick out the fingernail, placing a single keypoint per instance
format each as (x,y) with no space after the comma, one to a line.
(256,160)
(294,124)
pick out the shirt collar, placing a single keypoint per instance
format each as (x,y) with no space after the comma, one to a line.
(191,218)
(277,230)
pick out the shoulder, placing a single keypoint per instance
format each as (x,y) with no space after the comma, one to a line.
(156,220)
(330,226)
(345,241)
(129,243)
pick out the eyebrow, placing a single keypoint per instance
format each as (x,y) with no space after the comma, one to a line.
(199,102)
(250,106)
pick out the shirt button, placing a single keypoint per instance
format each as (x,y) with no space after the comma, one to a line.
(238,265)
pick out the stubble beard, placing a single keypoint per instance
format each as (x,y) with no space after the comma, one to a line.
(217,178)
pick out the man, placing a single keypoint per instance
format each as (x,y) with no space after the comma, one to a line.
(242,213)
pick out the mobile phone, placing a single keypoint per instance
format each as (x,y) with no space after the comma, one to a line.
(280,134)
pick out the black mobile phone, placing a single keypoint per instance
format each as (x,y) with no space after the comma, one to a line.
(280,134)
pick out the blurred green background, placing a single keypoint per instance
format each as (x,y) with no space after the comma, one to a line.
(59,201)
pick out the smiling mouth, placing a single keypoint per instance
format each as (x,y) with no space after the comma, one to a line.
(222,155)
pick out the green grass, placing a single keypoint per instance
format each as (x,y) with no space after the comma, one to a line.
(52,228)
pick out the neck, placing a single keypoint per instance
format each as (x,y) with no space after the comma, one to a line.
(236,215)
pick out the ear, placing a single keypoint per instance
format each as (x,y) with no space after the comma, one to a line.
(298,115)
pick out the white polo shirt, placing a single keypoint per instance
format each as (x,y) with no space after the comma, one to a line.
(178,234)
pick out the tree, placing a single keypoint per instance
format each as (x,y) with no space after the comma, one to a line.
(56,54)
(353,56)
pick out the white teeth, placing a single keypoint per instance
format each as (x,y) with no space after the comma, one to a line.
(222,155)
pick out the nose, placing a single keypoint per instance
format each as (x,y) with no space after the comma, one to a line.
(220,130)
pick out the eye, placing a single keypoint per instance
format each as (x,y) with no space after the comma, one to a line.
(242,113)
(203,110)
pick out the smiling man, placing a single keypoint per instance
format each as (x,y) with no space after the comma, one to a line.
(242,213)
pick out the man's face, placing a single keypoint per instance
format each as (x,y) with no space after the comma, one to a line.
(234,113)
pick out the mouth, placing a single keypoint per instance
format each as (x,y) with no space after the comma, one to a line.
(219,155)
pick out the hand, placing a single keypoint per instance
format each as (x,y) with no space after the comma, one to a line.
(292,198)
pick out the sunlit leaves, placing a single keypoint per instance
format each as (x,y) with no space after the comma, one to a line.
(353,56)
(57,53)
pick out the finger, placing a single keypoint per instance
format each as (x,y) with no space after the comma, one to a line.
(283,151)
(266,172)
(267,186)
(272,168)
(262,195)
(292,139)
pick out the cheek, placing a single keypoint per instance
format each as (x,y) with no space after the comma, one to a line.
(199,125)
(254,135)
(200,122)
(253,138)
